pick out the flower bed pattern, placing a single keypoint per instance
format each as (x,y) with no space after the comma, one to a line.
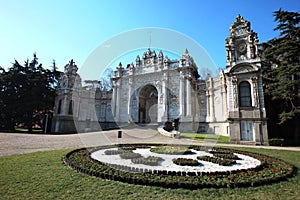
(270,171)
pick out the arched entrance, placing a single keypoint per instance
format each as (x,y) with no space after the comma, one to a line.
(148,104)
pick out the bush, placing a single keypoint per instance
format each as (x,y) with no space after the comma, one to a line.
(226,156)
(216,160)
(151,160)
(276,142)
(172,150)
(185,162)
(115,152)
(168,126)
(130,155)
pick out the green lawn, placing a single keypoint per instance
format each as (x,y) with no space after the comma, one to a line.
(207,137)
(42,175)
(23,130)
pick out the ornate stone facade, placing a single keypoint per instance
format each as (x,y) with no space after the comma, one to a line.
(156,89)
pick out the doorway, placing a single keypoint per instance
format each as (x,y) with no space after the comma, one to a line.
(247,130)
(148,99)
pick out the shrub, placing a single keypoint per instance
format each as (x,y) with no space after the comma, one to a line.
(216,160)
(115,152)
(185,162)
(168,126)
(130,155)
(173,150)
(151,160)
(128,148)
(226,156)
(276,141)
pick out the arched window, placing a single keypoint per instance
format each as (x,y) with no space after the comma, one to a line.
(245,94)
(70,112)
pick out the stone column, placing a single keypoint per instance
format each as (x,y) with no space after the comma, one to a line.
(197,106)
(188,98)
(224,99)
(181,96)
(129,98)
(118,102)
(64,106)
(113,101)
(212,107)
(208,105)
(255,101)
(164,103)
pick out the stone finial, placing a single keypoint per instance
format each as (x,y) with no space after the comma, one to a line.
(239,18)
(186,52)
(71,68)
(137,58)
(166,59)
(120,66)
(160,55)
(131,66)
(186,55)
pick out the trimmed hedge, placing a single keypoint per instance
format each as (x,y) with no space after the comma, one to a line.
(276,141)
(226,156)
(130,155)
(115,152)
(151,160)
(171,150)
(185,162)
(217,160)
(271,170)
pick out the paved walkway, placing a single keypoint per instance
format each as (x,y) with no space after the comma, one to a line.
(18,143)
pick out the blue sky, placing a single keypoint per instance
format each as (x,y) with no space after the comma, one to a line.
(72,29)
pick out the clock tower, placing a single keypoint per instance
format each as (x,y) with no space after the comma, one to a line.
(245,99)
(241,45)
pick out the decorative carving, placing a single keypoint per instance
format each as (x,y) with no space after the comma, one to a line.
(242,43)
(242,69)
(149,54)
(161,99)
(255,92)
(174,99)
(71,68)
(235,92)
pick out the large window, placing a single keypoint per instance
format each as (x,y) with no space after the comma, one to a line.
(245,94)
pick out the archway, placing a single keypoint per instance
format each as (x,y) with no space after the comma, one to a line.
(148,104)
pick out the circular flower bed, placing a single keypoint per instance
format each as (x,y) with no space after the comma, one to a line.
(269,171)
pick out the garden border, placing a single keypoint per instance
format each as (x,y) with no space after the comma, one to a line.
(270,171)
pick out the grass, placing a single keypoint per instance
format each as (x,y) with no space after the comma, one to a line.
(42,175)
(207,137)
(23,130)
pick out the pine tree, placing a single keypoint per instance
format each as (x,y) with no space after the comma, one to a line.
(282,64)
(282,76)
(27,93)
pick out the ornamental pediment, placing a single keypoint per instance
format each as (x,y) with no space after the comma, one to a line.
(241,69)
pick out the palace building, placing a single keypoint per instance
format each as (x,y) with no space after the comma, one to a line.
(155,89)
